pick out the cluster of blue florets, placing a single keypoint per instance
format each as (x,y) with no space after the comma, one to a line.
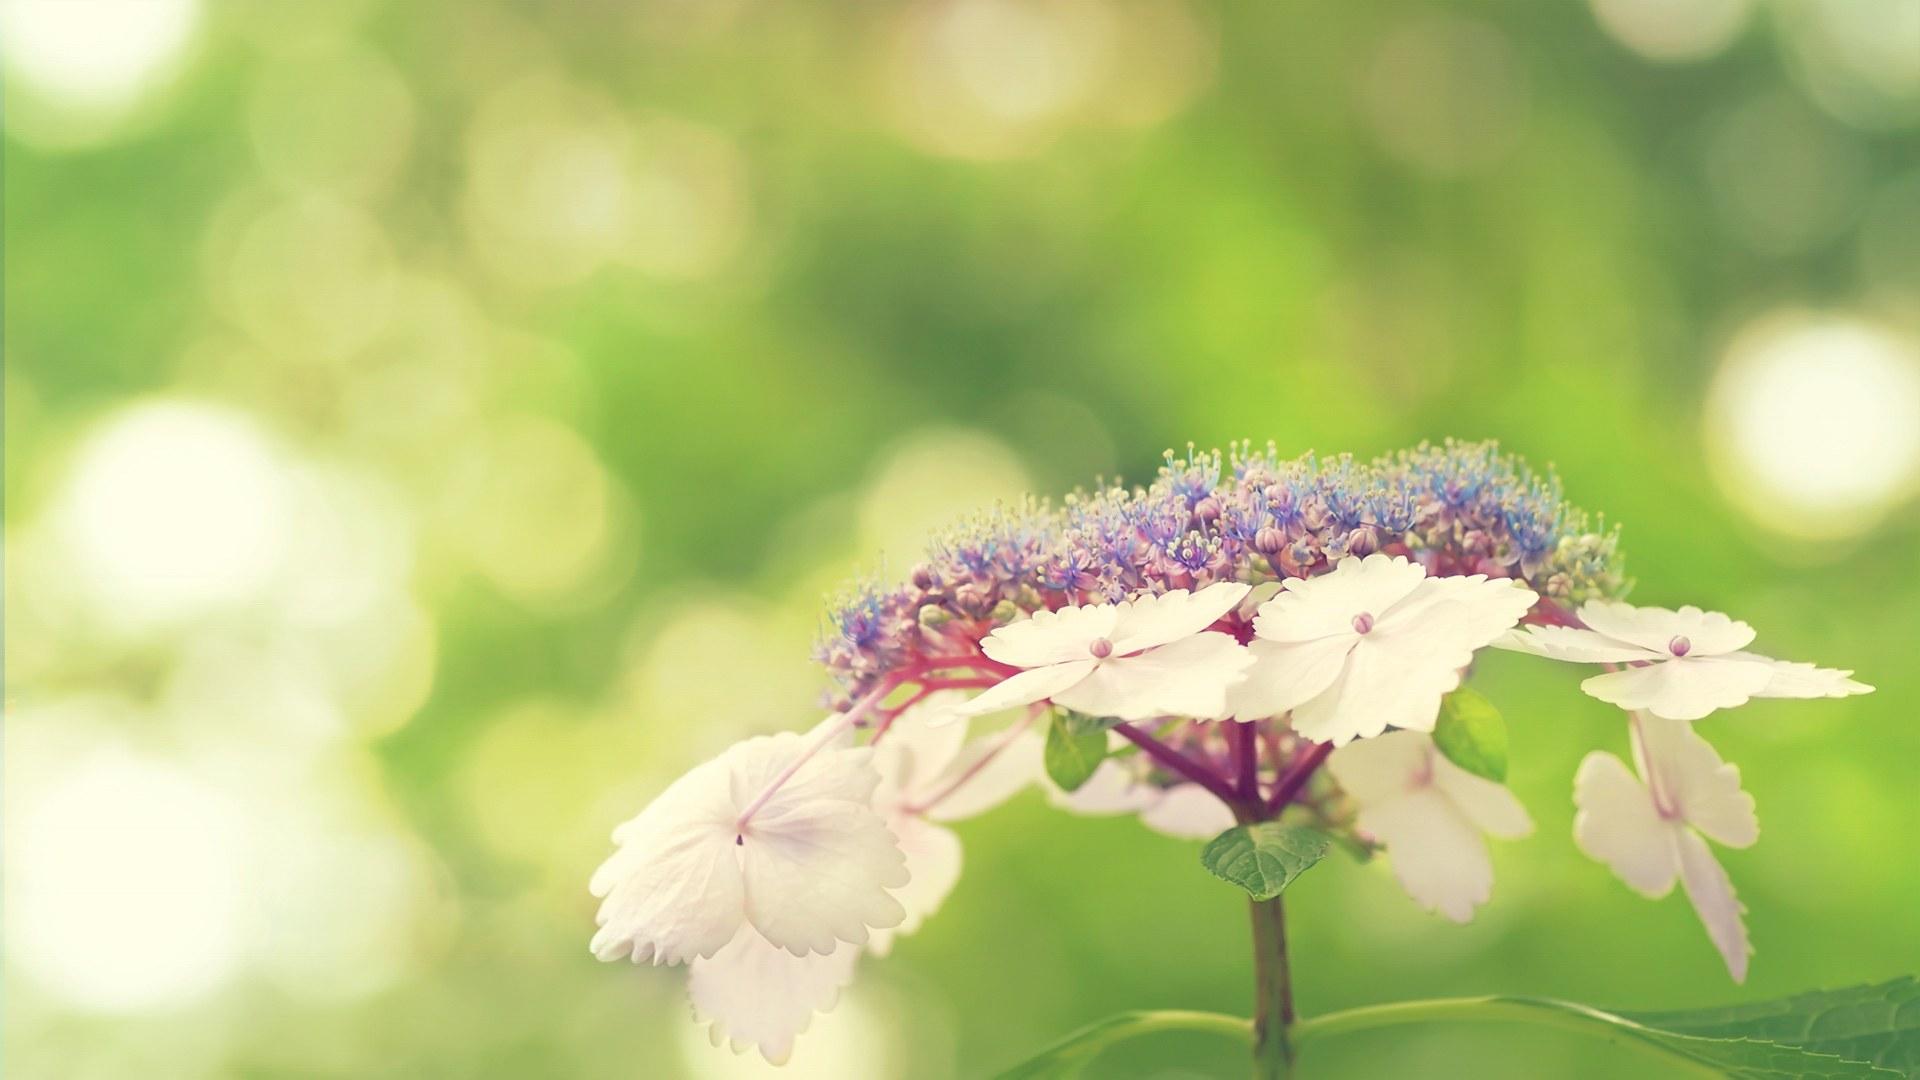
(1246,515)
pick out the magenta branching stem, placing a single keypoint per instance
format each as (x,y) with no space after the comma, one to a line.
(1243,740)
(1178,762)
(1296,776)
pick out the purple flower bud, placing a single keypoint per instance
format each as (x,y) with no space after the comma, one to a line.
(1362,542)
(1679,646)
(1363,623)
(1269,540)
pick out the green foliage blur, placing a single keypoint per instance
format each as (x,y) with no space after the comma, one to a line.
(431,426)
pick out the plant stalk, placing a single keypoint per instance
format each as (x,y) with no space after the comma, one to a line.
(1272,992)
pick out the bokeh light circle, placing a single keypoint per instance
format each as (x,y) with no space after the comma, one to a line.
(1814,423)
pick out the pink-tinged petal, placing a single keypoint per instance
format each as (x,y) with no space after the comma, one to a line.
(1325,605)
(1051,637)
(1618,825)
(1285,674)
(1707,633)
(1189,677)
(1159,620)
(1573,645)
(1011,771)
(1188,812)
(1491,808)
(1026,688)
(1113,788)
(1796,680)
(753,993)
(818,871)
(1383,768)
(1712,894)
(833,774)
(1691,778)
(1680,689)
(933,866)
(1434,850)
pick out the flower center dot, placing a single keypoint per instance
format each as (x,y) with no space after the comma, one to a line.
(1362,623)
(1101,648)
(1679,646)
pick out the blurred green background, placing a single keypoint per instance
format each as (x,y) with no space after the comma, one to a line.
(432,426)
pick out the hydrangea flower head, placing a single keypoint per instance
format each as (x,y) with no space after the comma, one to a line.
(1192,652)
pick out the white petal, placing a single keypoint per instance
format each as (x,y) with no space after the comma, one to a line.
(1026,688)
(1492,808)
(1190,677)
(753,992)
(1795,680)
(1114,788)
(1397,674)
(1051,637)
(672,898)
(1712,894)
(1157,620)
(1574,645)
(1435,852)
(817,868)
(1189,812)
(1008,774)
(1323,606)
(1618,825)
(1681,689)
(672,890)
(933,861)
(1382,769)
(1693,779)
(1707,632)
(1284,674)
(842,774)
(913,754)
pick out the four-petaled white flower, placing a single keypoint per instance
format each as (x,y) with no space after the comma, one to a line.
(1686,663)
(753,993)
(1649,829)
(1375,643)
(1429,814)
(1137,659)
(812,868)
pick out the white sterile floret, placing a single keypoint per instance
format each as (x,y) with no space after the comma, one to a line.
(1429,814)
(1373,644)
(1649,828)
(1684,664)
(1137,659)
(811,869)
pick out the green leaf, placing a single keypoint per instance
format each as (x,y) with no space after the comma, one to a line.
(1071,1055)
(1073,751)
(1472,735)
(1730,1054)
(1263,858)
(1878,1023)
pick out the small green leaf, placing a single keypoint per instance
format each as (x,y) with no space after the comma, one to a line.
(1263,858)
(1472,735)
(1071,755)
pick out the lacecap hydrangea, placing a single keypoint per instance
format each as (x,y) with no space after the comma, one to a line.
(1262,652)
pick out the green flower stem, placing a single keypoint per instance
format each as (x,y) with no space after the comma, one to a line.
(1452,1010)
(1272,992)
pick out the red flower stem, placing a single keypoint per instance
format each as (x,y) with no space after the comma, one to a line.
(1296,776)
(1241,737)
(1178,762)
